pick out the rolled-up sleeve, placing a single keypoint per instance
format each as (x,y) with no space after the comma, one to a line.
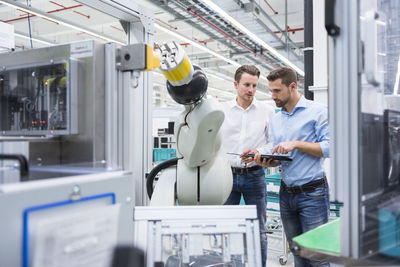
(322,132)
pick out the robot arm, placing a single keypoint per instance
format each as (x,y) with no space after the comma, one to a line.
(203,174)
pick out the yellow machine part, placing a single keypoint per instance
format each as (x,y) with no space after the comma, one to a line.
(152,60)
(180,72)
(61,83)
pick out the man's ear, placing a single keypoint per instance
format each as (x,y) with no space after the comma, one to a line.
(235,83)
(293,86)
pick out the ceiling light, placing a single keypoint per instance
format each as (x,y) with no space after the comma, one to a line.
(254,37)
(195,44)
(202,47)
(23,36)
(55,19)
(216,75)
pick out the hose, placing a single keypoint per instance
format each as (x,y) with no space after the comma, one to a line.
(150,177)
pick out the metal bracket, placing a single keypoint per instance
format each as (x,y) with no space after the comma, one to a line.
(148,23)
(308,49)
(330,26)
(131,57)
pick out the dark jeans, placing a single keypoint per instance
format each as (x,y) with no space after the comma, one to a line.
(302,212)
(252,186)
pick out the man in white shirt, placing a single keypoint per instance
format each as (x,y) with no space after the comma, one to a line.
(246,127)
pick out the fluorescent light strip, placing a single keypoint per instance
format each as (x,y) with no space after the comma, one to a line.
(33,39)
(195,44)
(396,83)
(39,13)
(208,73)
(235,23)
(377,21)
(200,46)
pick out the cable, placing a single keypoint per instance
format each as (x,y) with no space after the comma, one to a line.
(150,177)
(29,25)
(191,109)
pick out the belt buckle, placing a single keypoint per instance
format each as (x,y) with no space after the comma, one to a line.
(292,190)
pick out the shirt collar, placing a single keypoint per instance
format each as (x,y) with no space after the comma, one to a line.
(302,103)
(233,103)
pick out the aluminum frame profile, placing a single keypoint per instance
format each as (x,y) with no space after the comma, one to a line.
(344,109)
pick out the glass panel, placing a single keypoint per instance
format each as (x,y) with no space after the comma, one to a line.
(379,129)
(34,100)
(52,111)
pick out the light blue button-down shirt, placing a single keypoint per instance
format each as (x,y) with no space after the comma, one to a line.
(307,122)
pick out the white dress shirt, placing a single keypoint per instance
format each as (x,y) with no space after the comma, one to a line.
(245,129)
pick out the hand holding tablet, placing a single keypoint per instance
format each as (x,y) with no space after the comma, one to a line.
(266,156)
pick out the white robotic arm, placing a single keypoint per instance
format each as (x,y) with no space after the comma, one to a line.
(203,174)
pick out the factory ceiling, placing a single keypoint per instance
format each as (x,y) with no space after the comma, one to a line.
(218,35)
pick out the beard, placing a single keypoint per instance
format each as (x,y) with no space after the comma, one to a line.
(280,103)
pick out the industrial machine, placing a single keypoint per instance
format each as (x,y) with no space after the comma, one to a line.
(77,116)
(39,99)
(202,174)
(61,108)
(42,91)
(64,109)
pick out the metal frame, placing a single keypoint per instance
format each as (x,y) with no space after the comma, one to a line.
(151,223)
(134,105)
(111,95)
(124,10)
(344,73)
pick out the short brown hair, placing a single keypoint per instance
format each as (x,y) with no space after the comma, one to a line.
(250,69)
(287,75)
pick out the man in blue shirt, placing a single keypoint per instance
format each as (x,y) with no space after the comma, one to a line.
(301,132)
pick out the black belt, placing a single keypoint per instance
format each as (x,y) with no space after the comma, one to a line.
(245,170)
(308,187)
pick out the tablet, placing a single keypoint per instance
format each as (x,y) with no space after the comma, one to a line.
(274,157)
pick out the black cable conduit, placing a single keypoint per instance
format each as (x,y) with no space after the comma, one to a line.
(150,177)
